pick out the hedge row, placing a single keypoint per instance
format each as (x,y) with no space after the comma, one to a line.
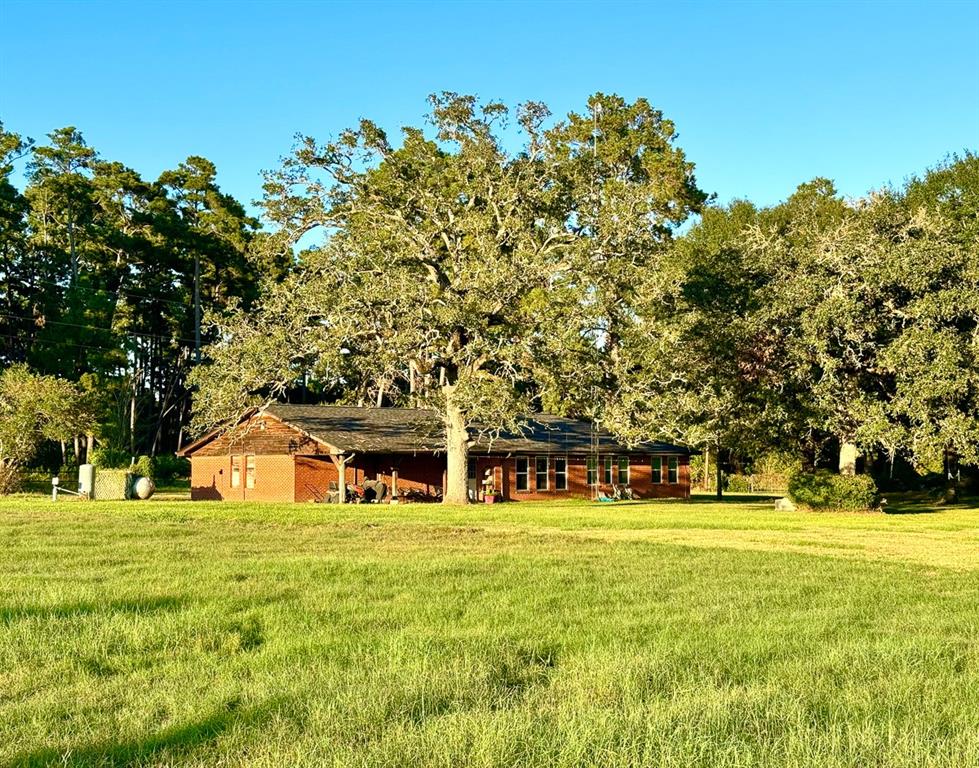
(160,468)
(826,490)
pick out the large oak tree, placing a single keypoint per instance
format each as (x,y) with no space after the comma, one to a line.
(455,273)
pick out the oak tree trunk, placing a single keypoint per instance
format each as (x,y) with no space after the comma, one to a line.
(848,458)
(950,470)
(456,489)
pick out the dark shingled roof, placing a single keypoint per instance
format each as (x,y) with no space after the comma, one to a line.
(366,430)
(415,430)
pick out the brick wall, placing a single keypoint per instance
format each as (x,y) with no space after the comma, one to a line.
(210,478)
(314,475)
(640,478)
(271,443)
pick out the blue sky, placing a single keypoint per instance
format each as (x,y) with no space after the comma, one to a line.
(765,95)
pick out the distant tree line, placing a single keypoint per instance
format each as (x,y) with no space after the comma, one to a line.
(97,284)
(578,270)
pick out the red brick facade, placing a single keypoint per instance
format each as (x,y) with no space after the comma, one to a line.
(639,477)
(272,461)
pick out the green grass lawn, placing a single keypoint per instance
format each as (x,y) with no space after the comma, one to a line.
(633,634)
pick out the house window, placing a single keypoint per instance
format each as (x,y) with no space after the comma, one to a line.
(592,470)
(674,469)
(541,473)
(523,473)
(472,469)
(607,471)
(657,462)
(236,471)
(250,471)
(623,470)
(560,473)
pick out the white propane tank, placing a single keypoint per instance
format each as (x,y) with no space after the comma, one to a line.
(143,488)
(86,480)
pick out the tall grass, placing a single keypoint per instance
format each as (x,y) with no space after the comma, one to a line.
(616,635)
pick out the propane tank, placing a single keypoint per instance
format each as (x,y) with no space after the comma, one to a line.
(86,480)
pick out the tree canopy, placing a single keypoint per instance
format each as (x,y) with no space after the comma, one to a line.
(451,265)
(97,273)
(492,262)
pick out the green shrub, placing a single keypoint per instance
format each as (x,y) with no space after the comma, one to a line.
(11,478)
(697,470)
(777,464)
(738,483)
(827,490)
(143,467)
(109,458)
(166,467)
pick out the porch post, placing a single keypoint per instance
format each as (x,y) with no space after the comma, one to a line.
(340,462)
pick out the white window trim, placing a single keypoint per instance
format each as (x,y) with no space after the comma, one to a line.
(253,476)
(656,476)
(517,473)
(235,478)
(567,467)
(618,470)
(547,473)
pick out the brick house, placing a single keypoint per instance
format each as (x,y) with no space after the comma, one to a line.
(297,452)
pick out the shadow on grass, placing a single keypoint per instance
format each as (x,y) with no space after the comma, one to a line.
(518,669)
(923,504)
(736,498)
(88,607)
(170,743)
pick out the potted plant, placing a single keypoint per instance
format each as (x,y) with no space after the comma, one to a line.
(491,496)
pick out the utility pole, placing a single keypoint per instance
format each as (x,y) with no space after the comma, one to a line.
(197,308)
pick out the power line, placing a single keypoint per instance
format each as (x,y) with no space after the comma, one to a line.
(69,344)
(120,292)
(45,322)
(66,343)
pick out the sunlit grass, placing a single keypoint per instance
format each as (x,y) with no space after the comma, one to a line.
(660,633)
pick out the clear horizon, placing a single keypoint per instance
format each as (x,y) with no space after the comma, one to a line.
(764,96)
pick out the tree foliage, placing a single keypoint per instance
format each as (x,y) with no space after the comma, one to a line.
(35,408)
(97,273)
(455,273)
(491,263)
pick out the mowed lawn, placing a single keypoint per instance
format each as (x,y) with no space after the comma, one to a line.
(631,634)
